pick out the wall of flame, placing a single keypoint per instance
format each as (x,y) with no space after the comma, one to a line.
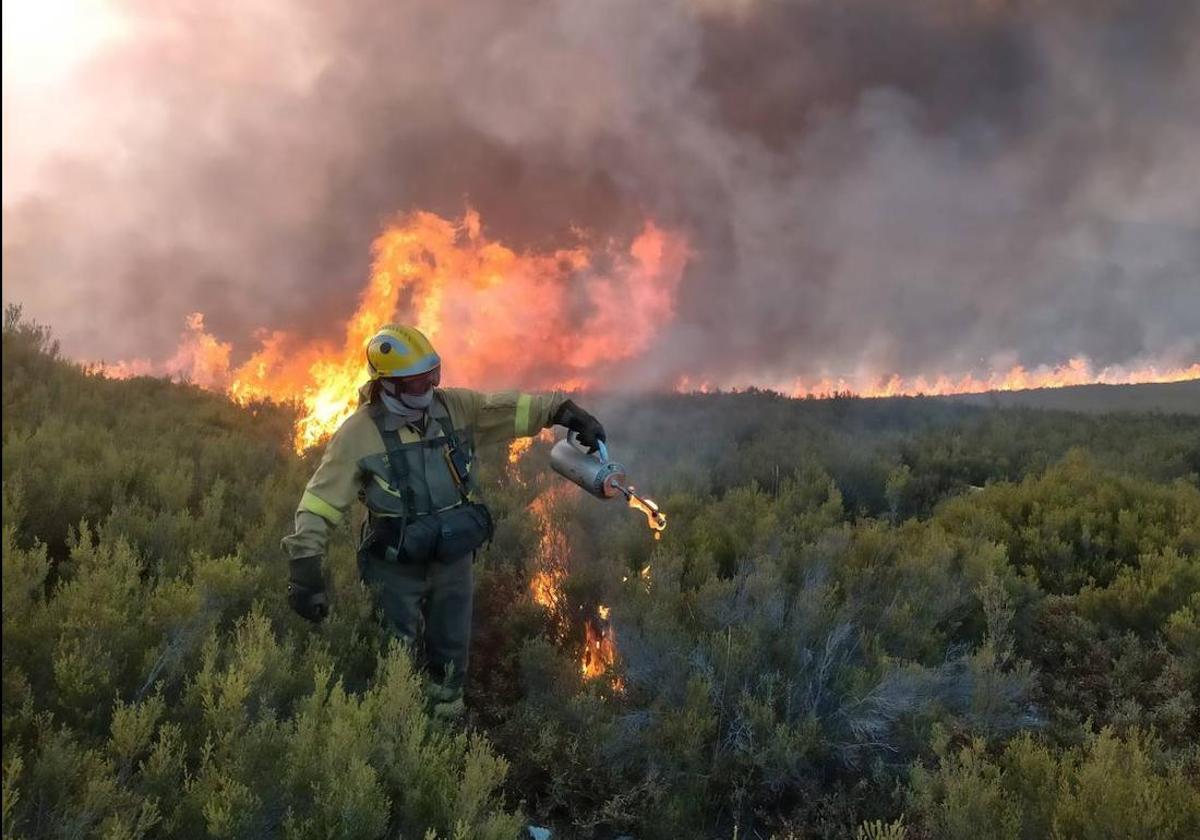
(573,318)
(570,318)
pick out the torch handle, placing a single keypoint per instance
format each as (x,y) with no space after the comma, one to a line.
(601,455)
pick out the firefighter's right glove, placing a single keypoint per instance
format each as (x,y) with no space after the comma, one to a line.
(586,427)
(306,589)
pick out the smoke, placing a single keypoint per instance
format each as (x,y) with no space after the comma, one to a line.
(867,186)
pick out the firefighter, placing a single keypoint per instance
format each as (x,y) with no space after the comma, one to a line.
(407,454)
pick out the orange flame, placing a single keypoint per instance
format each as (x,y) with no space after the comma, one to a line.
(1077,371)
(199,359)
(644,574)
(518,448)
(655,518)
(498,317)
(600,645)
(545,587)
(553,553)
(557,319)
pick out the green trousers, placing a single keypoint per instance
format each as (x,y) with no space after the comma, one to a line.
(428,606)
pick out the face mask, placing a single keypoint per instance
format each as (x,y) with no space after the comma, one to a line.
(418,401)
(410,408)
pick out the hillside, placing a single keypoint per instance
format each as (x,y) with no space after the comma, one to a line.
(894,619)
(1177,397)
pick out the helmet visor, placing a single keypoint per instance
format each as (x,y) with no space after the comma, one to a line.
(414,385)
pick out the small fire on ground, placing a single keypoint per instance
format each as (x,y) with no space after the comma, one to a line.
(553,554)
(600,646)
(518,448)
(550,572)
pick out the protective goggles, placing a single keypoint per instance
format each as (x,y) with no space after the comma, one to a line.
(413,385)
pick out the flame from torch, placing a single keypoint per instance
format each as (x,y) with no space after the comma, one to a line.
(655,518)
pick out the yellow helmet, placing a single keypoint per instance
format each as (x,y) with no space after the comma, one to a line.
(397,350)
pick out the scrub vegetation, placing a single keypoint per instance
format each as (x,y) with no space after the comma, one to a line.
(876,619)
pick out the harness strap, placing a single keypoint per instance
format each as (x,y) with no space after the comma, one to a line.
(397,465)
(458,460)
(459,456)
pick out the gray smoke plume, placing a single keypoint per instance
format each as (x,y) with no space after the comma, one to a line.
(867,185)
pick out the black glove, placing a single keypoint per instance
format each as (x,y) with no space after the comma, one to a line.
(584,425)
(306,589)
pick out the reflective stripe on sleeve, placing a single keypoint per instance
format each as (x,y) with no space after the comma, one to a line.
(315,504)
(524,403)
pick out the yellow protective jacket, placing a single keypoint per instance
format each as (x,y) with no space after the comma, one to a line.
(355,465)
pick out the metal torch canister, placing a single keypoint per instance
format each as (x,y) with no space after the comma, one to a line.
(593,472)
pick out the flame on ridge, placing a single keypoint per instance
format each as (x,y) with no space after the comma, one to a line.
(1076,371)
(501,318)
(200,359)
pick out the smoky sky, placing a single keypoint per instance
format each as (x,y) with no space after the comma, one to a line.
(866,185)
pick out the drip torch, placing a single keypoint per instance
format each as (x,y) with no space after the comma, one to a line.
(602,478)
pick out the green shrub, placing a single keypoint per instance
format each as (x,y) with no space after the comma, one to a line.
(868,618)
(155,682)
(1109,787)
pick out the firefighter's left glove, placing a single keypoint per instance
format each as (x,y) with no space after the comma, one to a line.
(306,589)
(586,427)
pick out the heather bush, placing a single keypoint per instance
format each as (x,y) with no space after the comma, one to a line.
(873,619)
(154,682)
(1108,787)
